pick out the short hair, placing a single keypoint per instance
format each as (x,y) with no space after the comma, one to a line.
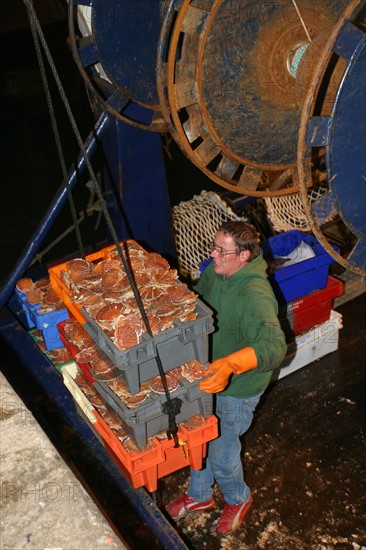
(245,236)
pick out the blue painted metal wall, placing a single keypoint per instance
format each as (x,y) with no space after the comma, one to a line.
(135,174)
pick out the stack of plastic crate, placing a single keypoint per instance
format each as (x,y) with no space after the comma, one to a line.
(306,293)
(185,341)
(161,458)
(147,419)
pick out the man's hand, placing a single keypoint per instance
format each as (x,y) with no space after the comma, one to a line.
(217,377)
(218,374)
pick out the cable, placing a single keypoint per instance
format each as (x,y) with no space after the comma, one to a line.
(172,406)
(301,19)
(32,18)
(38,257)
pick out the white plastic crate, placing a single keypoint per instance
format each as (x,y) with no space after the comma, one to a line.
(312,345)
(69,373)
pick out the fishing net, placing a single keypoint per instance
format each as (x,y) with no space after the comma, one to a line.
(195,225)
(287,212)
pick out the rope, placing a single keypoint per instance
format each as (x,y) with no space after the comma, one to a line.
(301,19)
(287,213)
(39,257)
(172,405)
(32,18)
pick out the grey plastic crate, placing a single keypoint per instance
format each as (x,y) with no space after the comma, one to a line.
(183,342)
(147,419)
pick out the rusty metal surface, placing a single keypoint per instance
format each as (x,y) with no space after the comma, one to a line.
(321,130)
(226,92)
(222,60)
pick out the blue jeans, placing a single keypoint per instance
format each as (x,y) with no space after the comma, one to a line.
(223,462)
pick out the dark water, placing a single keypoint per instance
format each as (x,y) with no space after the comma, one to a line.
(31,171)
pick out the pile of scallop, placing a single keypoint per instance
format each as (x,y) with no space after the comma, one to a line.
(103,289)
(102,368)
(93,361)
(113,420)
(40,293)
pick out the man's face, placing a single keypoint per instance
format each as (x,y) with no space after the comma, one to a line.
(226,258)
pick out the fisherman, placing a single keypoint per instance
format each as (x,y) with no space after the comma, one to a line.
(247,346)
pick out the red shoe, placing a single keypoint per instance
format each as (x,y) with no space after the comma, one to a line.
(181,506)
(232,517)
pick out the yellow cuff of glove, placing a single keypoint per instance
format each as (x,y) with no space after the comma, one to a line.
(219,372)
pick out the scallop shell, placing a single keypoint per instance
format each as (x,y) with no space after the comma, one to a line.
(193,370)
(102,365)
(149,293)
(109,314)
(77,335)
(156,383)
(155,323)
(133,401)
(154,259)
(126,335)
(42,283)
(96,400)
(25,284)
(78,269)
(132,448)
(105,265)
(194,422)
(34,296)
(51,297)
(110,278)
(119,387)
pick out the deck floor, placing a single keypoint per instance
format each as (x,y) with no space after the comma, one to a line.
(304,456)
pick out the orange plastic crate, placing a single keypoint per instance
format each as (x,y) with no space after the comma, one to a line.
(147,467)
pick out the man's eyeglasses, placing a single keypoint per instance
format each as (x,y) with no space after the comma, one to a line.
(220,251)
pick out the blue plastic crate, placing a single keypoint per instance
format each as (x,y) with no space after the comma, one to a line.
(16,306)
(25,308)
(204,264)
(47,323)
(302,278)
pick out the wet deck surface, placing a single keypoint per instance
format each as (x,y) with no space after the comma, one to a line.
(304,456)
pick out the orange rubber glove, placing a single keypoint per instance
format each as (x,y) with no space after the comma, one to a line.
(219,372)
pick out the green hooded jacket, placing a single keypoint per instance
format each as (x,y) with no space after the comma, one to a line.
(245,312)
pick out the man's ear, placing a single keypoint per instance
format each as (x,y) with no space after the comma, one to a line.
(244,255)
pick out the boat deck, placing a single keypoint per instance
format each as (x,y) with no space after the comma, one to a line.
(304,456)
(304,459)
